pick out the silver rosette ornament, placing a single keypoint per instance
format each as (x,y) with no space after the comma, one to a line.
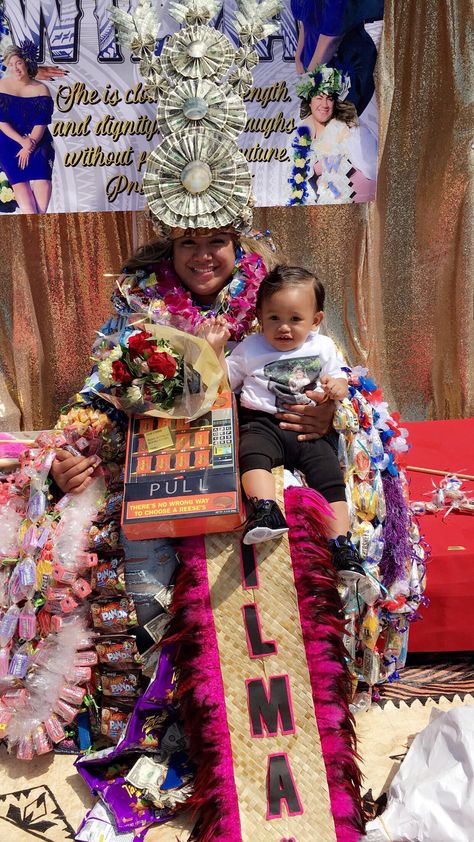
(198,102)
(198,180)
(198,52)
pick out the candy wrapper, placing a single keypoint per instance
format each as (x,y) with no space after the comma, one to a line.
(118,652)
(449,496)
(113,721)
(105,772)
(121,684)
(11,520)
(111,508)
(115,616)
(130,807)
(149,722)
(108,577)
(91,432)
(99,825)
(104,538)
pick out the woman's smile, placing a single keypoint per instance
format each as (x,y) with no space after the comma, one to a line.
(204,263)
(17,67)
(322,108)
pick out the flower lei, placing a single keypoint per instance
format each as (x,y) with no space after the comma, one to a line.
(157,292)
(301,166)
(323,80)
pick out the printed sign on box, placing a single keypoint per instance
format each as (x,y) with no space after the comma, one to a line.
(181,477)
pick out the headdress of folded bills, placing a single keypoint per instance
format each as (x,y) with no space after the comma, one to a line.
(323,80)
(196,178)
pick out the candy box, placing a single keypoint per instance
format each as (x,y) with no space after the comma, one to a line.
(181,478)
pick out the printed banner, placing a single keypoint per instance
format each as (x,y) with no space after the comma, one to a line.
(75,137)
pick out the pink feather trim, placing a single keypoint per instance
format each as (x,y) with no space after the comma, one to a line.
(322,624)
(201,692)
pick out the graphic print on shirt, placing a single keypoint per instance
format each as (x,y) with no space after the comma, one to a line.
(289,380)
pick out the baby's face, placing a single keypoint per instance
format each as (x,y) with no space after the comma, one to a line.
(288,316)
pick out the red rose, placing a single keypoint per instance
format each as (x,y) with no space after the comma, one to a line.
(121,373)
(162,363)
(138,343)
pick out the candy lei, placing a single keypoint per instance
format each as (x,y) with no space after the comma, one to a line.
(157,292)
(47,554)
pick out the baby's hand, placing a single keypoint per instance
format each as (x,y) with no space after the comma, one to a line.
(216,332)
(334,387)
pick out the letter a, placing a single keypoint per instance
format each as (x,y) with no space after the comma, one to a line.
(281,787)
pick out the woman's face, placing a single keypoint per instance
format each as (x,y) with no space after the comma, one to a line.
(322,108)
(17,68)
(204,264)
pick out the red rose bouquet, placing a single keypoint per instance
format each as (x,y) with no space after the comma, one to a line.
(156,370)
(141,369)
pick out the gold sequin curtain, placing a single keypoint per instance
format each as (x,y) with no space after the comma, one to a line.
(398,272)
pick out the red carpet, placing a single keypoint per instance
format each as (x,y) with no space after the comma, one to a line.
(447,623)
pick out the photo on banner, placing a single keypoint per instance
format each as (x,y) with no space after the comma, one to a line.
(77,123)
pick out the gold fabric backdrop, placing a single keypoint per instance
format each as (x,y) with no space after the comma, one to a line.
(398,272)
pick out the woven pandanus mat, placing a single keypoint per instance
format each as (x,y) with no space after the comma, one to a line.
(276,603)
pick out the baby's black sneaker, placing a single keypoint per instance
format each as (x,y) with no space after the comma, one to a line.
(346,558)
(265,523)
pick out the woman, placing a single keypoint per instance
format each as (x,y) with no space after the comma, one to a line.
(332,32)
(213,269)
(26,144)
(340,155)
(204,265)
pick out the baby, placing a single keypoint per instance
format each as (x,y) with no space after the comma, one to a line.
(275,367)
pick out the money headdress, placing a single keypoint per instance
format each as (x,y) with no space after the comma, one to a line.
(197,178)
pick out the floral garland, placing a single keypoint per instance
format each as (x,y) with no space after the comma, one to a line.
(157,292)
(323,80)
(7,197)
(301,166)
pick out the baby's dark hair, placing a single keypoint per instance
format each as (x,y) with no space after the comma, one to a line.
(289,276)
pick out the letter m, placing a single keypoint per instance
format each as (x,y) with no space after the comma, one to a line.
(270,710)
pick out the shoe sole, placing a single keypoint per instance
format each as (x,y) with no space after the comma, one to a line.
(262,533)
(351,576)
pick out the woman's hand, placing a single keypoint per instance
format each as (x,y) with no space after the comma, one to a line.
(325,48)
(72,474)
(48,73)
(23,157)
(28,144)
(299,66)
(310,421)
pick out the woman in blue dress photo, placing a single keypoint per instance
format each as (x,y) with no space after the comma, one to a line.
(26,144)
(332,32)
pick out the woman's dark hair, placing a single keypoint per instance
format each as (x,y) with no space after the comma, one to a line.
(149,253)
(157,250)
(282,277)
(344,111)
